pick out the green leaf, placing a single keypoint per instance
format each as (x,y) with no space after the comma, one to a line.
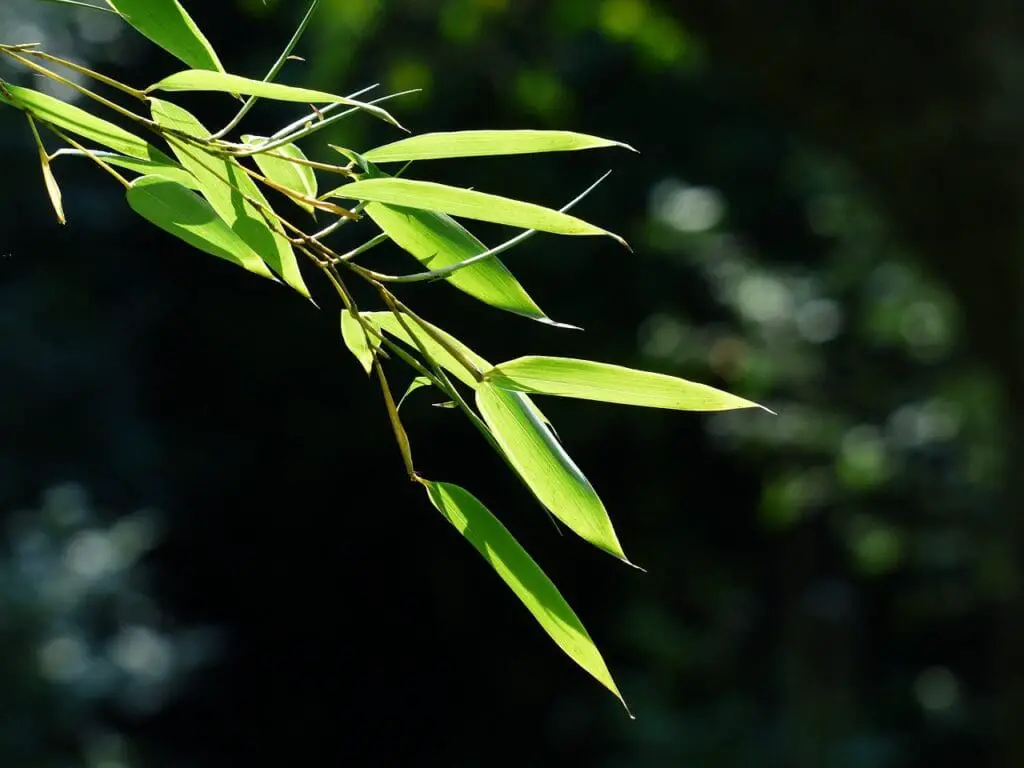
(589,380)
(437,240)
(169,170)
(523,576)
(297,177)
(469,204)
(417,383)
(435,146)
(167,24)
(229,189)
(203,80)
(76,120)
(184,214)
(360,343)
(545,467)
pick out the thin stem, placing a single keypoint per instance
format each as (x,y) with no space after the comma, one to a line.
(88,153)
(244,110)
(318,114)
(356,210)
(80,4)
(135,92)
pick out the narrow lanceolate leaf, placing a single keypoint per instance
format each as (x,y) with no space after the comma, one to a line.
(467,203)
(293,176)
(167,24)
(169,170)
(232,193)
(202,80)
(437,240)
(184,214)
(435,146)
(589,380)
(52,189)
(76,120)
(523,576)
(360,343)
(545,467)
(417,383)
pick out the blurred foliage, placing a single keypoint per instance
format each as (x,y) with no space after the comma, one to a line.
(823,586)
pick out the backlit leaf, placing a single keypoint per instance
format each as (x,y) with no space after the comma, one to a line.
(167,24)
(181,212)
(523,576)
(169,170)
(433,146)
(297,177)
(360,343)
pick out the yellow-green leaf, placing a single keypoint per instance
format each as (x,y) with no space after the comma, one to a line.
(169,170)
(467,203)
(545,467)
(437,241)
(523,576)
(590,380)
(230,190)
(295,176)
(203,80)
(76,120)
(167,24)
(184,214)
(435,146)
(360,343)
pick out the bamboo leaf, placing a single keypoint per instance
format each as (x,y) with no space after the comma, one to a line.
(76,120)
(545,467)
(523,576)
(437,240)
(203,80)
(468,204)
(49,180)
(297,177)
(361,344)
(168,25)
(435,146)
(187,216)
(230,190)
(590,380)
(169,170)
(417,383)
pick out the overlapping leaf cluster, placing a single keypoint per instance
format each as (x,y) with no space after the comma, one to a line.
(209,191)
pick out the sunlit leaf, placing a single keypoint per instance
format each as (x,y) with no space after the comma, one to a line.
(523,576)
(433,146)
(437,240)
(295,176)
(545,467)
(169,170)
(76,120)
(203,80)
(53,189)
(361,344)
(417,383)
(229,189)
(181,212)
(167,24)
(589,380)
(467,203)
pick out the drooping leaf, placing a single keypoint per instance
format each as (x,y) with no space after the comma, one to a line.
(295,176)
(181,212)
(52,188)
(435,146)
(417,383)
(437,240)
(467,203)
(361,344)
(167,24)
(82,123)
(204,80)
(590,380)
(229,189)
(545,467)
(169,170)
(523,576)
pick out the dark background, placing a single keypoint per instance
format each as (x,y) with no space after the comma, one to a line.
(825,218)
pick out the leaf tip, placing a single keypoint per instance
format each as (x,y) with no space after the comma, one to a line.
(555,324)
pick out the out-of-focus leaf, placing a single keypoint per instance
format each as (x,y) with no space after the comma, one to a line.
(76,120)
(523,576)
(181,212)
(204,80)
(437,240)
(436,146)
(229,189)
(545,467)
(360,343)
(590,380)
(467,203)
(167,24)
(297,177)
